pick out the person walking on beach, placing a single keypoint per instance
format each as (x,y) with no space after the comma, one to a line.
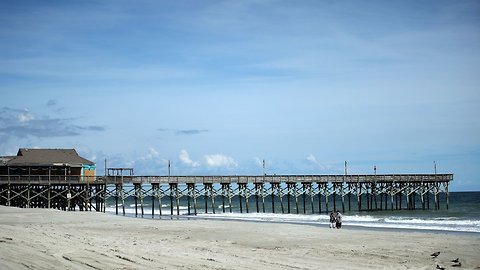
(338,219)
(333,220)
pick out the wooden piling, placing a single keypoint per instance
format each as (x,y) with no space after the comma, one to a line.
(171,199)
(334,194)
(304,199)
(262,193)
(319,186)
(359,197)
(272,194)
(212,195)
(295,193)
(256,198)
(229,193)
(159,198)
(349,198)
(240,187)
(194,200)
(311,197)
(140,193)
(246,198)
(154,186)
(288,198)
(280,197)
(177,199)
(223,197)
(122,194)
(326,194)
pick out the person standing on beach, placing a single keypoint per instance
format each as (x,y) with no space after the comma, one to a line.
(339,217)
(333,220)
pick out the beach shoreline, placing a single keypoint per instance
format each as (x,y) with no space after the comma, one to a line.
(52,239)
(346,225)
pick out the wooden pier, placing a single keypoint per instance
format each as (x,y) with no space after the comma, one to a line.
(306,194)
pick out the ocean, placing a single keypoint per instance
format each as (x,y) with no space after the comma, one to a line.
(462,216)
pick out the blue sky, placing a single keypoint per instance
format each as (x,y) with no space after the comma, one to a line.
(218,86)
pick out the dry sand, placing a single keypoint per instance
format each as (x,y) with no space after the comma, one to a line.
(51,239)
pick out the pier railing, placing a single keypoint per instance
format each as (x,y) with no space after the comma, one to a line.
(225,179)
(50,179)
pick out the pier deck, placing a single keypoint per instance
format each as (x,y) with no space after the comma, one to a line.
(112,179)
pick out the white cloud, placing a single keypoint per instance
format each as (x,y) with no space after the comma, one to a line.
(312,159)
(25,116)
(151,161)
(185,158)
(258,161)
(131,164)
(152,153)
(220,160)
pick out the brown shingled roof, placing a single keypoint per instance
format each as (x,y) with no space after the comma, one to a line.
(46,157)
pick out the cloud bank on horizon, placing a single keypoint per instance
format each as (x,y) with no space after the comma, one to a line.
(216,87)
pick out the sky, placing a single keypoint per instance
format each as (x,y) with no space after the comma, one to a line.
(216,87)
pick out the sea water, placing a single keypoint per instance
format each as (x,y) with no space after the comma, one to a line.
(463,214)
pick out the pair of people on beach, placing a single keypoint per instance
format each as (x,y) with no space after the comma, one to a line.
(335,219)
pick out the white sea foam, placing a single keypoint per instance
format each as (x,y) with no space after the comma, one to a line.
(446,224)
(146,211)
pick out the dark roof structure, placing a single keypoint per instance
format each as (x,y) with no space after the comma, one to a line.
(5,159)
(47,157)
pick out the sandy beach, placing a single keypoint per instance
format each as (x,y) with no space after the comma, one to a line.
(51,239)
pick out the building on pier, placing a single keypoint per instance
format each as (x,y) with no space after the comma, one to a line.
(49,178)
(47,162)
